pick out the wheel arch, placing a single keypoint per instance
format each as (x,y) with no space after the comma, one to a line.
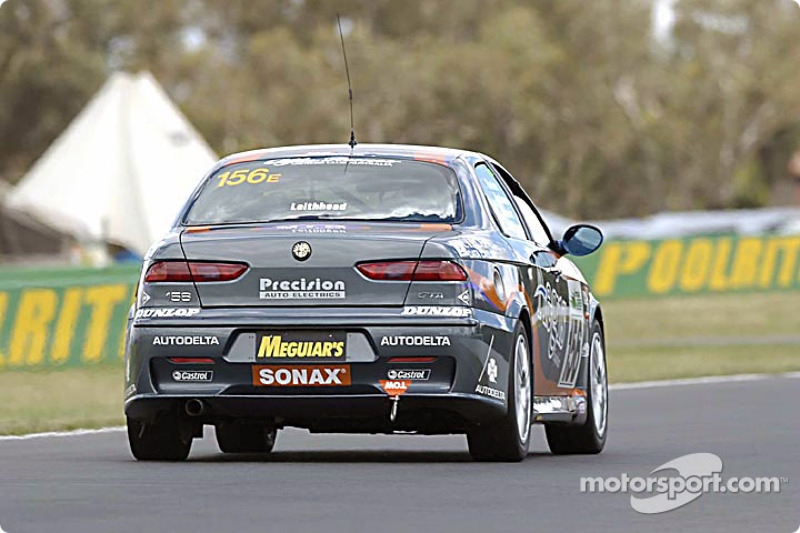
(598,314)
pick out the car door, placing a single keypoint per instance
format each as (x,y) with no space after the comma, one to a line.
(548,290)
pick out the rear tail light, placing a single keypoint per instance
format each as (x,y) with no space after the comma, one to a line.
(390,271)
(168,271)
(439,271)
(202,272)
(182,360)
(413,271)
(198,272)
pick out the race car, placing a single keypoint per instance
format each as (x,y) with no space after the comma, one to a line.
(368,289)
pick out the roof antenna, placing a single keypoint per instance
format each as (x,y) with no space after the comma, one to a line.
(352,142)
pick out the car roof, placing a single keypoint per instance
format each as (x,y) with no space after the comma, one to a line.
(404,151)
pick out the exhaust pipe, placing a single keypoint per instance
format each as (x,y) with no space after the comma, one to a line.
(195,407)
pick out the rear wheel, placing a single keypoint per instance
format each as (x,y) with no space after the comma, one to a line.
(241,437)
(508,440)
(590,437)
(166,439)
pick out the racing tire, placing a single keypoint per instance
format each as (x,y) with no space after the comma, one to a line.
(590,437)
(239,437)
(508,440)
(166,439)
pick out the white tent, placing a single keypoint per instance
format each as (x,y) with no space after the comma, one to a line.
(121,170)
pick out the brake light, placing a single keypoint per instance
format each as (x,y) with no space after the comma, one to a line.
(389,271)
(202,272)
(198,272)
(439,271)
(413,271)
(168,271)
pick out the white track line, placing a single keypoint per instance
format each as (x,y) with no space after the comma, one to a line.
(73,433)
(619,386)
(702,381)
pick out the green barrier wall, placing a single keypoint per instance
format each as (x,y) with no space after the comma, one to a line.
(64,317)
(693,265)
(72,317)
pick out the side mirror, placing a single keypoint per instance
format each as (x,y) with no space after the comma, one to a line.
(581,239)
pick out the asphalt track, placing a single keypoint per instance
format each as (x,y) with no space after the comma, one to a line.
(332,483)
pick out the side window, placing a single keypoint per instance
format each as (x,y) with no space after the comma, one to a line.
(500,203)
(539,233)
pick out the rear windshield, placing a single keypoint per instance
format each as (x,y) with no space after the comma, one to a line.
(328,188)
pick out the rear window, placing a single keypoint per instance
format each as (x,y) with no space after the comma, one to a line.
(328,188)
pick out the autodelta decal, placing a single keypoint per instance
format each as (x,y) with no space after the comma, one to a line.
(64,325)
(693,265)
(415,340)
(301,289)
(185,340)
(489,380)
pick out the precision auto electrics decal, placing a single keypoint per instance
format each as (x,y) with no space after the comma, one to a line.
(301,289)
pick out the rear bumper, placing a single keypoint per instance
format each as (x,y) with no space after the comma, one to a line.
(365,413)
(448,399)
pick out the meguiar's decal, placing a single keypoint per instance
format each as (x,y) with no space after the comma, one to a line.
(302,345)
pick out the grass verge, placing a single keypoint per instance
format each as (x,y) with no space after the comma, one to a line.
(60,400)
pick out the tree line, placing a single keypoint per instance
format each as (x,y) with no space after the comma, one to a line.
(598,114)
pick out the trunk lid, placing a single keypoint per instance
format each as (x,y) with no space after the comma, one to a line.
(328,276)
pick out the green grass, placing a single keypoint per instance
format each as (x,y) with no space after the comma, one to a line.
(705,335)
(630,364)
(733,316)
(60,399)
(647,340)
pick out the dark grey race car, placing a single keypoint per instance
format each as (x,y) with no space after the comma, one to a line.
(381,289)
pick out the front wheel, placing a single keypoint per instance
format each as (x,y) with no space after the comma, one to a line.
(590,437)
(508,440)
